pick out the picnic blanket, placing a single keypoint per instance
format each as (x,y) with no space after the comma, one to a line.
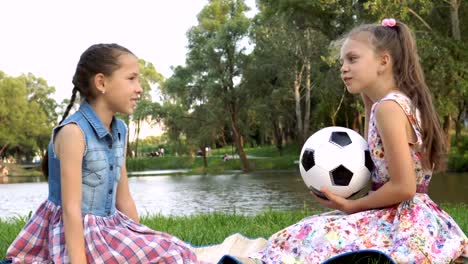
(236,248)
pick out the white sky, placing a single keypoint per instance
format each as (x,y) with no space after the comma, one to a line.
(47,37)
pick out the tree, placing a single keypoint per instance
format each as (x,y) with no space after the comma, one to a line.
(214,66)
(40,92)
(149,78)
(22,121)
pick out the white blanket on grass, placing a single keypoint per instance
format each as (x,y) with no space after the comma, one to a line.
(235,245)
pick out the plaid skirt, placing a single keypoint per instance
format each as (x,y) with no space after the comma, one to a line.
(111,239)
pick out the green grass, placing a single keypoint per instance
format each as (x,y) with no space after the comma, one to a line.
(261,151)
(215,164)
(206,229)
(269,160)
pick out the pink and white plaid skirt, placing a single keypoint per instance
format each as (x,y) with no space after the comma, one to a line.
(112,239)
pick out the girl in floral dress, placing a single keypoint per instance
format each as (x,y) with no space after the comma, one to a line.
(407,144)
(90,215)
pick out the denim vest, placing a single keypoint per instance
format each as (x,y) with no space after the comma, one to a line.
(102,161)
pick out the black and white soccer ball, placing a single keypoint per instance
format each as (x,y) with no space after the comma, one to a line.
(337,158)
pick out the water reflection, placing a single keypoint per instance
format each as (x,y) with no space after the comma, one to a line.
(229,192)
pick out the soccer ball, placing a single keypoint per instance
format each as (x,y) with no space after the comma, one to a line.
(337,158)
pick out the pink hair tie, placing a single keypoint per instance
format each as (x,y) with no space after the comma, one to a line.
(389,22)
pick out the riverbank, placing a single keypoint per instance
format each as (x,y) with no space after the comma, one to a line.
(14,170)
(260,158)
(212,228)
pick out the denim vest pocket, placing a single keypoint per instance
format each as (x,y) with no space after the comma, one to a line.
(119,159)
(94,168)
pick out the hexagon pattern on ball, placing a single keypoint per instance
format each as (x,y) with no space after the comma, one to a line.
(340,138)
(337,158)
(369,162)
(341,176)
(308,159)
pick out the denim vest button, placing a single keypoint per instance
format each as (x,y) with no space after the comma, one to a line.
(110,191)
(111,167)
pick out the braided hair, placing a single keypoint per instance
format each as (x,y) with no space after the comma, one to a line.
(99,58)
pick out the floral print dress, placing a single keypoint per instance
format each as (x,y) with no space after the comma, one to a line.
(414,231)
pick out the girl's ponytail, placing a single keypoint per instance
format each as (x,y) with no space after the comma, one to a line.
(397,39)
(45,159)
(99,58)
(409,77)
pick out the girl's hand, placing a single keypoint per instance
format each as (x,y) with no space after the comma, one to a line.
(336,202)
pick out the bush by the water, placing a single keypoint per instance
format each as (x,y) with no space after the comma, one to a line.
(458,157)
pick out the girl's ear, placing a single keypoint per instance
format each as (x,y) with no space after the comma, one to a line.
(100,83)
(385,63)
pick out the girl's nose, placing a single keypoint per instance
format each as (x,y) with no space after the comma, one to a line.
(344,67)
(139,89)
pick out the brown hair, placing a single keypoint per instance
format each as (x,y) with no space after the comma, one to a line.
(400,43)
(99,58)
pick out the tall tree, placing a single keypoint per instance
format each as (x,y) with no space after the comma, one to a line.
(215,63)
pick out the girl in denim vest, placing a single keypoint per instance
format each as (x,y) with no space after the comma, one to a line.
(90,215)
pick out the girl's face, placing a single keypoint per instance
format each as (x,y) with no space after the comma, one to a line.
(124,90)
(359,64)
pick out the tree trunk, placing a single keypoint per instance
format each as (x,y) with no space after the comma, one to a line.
(3,149)
(137,134)
(238,141)
(223,139)
(447,130)
(305,132)
(277,130)
(334,114)
(127,122)
(460,119)
(454,6)
(297,99)
(203,149)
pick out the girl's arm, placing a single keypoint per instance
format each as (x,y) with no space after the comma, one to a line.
(392,124)
(70,153)
(124,200)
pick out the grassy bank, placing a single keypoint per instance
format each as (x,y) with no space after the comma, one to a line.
(14,170)
(264,158)
(212,228)
(260,158)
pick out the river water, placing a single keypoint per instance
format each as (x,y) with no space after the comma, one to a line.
(177,194)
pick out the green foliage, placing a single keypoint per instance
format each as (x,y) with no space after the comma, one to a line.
(206,92)
(24,114)
(458,157)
